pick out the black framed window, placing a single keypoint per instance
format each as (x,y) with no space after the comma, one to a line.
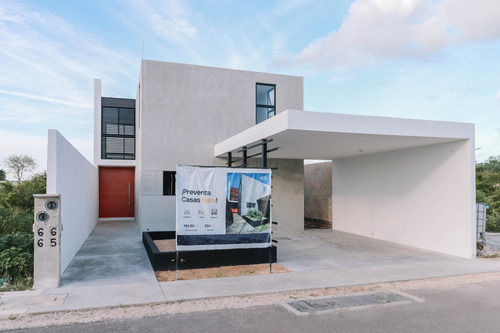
(168,182)
(118,133)
(266,101)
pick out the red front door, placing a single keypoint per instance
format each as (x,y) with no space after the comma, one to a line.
(116,192)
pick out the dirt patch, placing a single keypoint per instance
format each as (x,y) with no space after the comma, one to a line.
(165,245)
(217,272)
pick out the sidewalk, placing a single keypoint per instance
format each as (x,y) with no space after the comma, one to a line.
(121,275)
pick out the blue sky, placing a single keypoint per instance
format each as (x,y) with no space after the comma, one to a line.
(436,60)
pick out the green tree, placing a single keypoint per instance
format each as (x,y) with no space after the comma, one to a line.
(2,175)
(488,190)
(19,165)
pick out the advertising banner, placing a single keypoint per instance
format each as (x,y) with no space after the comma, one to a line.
(223,208)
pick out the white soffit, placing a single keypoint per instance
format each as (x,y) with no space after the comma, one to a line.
(319,135)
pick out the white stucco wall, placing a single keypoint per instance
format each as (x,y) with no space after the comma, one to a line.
(183,111)
(422,197)
(76,180)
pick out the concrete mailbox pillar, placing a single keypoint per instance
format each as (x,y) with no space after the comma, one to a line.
(47,230)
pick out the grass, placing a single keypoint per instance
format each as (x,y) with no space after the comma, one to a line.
(262,228)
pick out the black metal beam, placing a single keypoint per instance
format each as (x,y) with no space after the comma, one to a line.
(255,145)
(264,154)
(253,155)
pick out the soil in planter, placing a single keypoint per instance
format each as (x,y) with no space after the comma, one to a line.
(218,272)
(165,245)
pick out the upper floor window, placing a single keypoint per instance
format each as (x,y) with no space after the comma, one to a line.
(118,132)
(266,101)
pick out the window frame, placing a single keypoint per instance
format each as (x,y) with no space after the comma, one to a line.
(168,176)
(104,135)
(264,105)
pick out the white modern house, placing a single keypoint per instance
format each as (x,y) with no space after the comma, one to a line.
(402,180)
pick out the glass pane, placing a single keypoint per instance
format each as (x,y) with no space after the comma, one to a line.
(265,95)
(129,130)
(109,117)
(264,113)
(129,145)
(127,116)
(114,145)
(110,128)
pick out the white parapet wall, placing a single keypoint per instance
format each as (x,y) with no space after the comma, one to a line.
(421,197)
(72,176)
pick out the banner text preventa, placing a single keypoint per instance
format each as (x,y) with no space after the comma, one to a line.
(197,193)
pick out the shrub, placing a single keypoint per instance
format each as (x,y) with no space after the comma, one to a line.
(254,214)
(15,264)
(493,221)
(15,219)
(21,195)
(16,256)
(21,240)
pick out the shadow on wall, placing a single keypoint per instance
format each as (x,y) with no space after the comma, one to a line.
(412,167)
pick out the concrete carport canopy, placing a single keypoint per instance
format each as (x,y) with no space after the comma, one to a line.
(402,180)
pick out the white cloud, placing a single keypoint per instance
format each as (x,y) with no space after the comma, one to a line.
(66,102)
(376,30)
(497,96)
(168,19)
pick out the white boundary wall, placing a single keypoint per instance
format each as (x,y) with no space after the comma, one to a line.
(422,197)
(76,179)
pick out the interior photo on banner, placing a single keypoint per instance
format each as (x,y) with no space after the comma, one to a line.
(223,208)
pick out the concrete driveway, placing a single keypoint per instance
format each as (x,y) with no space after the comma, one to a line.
(112,269)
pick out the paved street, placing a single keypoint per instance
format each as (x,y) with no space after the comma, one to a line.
(463,308)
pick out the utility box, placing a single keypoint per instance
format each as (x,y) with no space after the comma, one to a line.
(47,241)
(481,219)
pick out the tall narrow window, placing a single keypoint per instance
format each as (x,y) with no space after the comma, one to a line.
(266,105)
(118,129)
(168,182)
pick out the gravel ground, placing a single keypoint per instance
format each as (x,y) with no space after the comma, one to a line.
(181,306)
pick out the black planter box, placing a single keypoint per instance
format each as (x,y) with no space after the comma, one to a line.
(165,261)
(256,223)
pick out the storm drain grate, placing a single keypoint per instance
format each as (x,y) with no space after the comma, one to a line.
(323,304)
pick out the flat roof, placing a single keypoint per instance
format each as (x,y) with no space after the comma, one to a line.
(326,136)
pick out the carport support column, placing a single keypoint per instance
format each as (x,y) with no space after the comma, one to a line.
(229,159)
